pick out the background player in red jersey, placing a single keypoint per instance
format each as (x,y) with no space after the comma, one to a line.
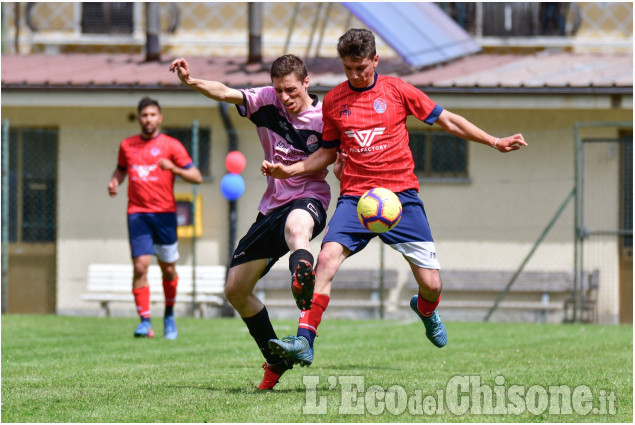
(365,118)
(291,212)
(152,160)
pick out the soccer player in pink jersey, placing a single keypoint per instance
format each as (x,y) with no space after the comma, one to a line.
(365,118)
(152,160)
(291,212)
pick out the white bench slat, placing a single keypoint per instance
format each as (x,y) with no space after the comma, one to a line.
(113,283)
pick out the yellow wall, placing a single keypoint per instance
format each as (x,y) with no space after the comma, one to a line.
(489,223)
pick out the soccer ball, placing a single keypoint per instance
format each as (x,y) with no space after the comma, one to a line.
(379,210)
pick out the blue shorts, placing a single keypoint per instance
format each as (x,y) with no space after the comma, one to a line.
(153,234)
(412,236)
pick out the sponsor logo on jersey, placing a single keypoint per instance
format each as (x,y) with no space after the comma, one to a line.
(143,171)
(379,105)
(365,137)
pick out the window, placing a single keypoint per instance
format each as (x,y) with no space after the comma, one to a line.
(184,135)
(511,19)
(438,154)
(32,184)
(107,18)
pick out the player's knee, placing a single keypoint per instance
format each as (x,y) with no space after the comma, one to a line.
(140,270)
(297,231)
(234,295)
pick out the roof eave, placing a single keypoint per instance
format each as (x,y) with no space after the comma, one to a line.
(565,90)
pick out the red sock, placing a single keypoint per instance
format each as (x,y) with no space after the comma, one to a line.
(310,319)
(169,290)
(142,300)
(426,308)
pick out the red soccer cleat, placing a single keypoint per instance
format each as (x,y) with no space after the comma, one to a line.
(303,284)
(273,372)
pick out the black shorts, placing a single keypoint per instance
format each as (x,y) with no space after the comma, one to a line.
(265,238)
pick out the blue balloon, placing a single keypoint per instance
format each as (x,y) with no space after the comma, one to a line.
(232,186)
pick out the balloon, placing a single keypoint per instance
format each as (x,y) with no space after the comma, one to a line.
(235,162)
(232,186)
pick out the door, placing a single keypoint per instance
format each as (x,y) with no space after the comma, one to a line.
(31,283)
(626,240)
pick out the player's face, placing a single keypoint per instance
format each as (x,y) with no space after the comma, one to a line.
(292,92)
(360,72)
(150,120)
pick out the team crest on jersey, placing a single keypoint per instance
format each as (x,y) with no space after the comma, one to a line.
(379,105)
(311,143)
(155,151)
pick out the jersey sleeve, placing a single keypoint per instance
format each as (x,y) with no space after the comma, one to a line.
(330,131)
(254,99)
(122,160)
(418,103)
(179,154)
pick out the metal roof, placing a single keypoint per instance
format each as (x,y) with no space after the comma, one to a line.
(537,73)
(421,33)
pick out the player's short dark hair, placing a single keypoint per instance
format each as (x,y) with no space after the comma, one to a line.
(145,102)
(357,43)
(289,64)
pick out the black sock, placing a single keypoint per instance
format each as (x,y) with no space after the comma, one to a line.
(261,330)
(296,256)
(169,310)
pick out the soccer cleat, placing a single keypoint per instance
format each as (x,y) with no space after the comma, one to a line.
(435,330)
(169,328)
(303,284)
(293,348)
(144,330)
(273,372)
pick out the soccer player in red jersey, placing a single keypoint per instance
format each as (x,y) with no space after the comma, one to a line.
(365,118)
(152,160)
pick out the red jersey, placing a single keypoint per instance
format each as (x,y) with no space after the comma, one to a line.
(370,126)
(151,189)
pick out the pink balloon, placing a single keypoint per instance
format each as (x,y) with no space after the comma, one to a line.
(235,162)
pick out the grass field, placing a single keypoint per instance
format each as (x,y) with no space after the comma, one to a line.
(72,369)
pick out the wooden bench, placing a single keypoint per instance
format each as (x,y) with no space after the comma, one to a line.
(352,289)
(541,292)
(109,283)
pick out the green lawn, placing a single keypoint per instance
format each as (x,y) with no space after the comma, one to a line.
(72,369)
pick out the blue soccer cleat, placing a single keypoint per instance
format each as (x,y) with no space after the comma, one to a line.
(144,330)
(169,328)
(435,330)
(294,348)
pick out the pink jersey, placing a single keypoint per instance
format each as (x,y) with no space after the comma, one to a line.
(286,138)
(151,189)
(370,126)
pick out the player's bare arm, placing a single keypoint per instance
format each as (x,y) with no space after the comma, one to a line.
(459,126)
(212,89)
(317,161)
(190,175)
(117,178)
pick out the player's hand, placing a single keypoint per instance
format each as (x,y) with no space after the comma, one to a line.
(166,164)
(113,187)
(277,171)
(338,167)
(182,69)
(511,143)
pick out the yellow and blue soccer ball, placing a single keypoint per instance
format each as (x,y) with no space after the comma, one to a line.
(379,210)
